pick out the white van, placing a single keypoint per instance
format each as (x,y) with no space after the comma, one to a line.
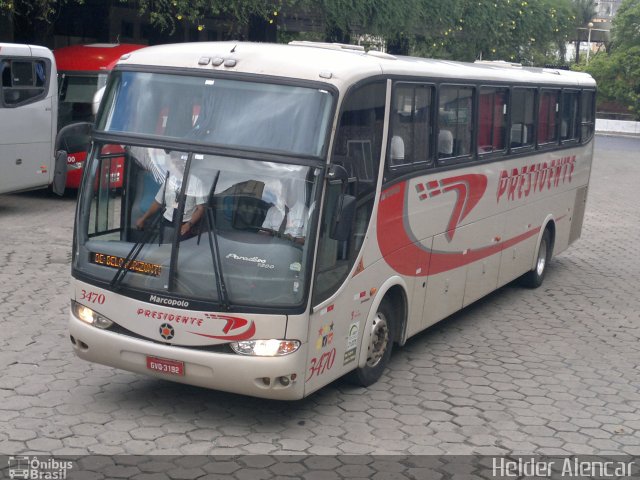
(28,117)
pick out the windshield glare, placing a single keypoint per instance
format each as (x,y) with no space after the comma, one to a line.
(77,93)
(239,114)
(216,228)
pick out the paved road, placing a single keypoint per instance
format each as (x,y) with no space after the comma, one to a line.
(547,371)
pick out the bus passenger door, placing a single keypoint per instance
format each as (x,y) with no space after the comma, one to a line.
(27,116)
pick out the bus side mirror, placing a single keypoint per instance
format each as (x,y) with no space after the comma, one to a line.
(343,217)
(60,173)
(75,133)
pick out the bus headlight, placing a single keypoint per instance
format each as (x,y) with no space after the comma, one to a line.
(265,348)
(89,316)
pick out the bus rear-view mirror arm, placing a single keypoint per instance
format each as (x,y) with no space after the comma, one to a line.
(345,209)
(60,167)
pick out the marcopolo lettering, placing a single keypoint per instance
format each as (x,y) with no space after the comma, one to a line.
(171,302)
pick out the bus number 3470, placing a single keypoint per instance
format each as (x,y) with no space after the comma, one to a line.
(93,297)
(321,364)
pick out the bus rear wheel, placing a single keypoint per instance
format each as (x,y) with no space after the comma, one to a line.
(379,346)
(534,278)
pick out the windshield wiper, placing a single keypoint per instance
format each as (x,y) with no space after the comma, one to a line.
(148,235)
(214,247)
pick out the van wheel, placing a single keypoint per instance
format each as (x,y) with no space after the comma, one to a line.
(380,344)
(534,278)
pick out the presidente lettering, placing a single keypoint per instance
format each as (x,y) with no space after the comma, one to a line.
(170,317)
(522,182)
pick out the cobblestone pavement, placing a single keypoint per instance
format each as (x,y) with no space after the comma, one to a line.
(547,371)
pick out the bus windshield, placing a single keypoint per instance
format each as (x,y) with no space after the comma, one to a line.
(220,229)
(77,93)
(230,113)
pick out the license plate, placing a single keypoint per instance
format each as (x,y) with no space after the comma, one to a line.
(163,365)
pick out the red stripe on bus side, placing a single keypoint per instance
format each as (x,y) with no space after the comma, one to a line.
(407,258)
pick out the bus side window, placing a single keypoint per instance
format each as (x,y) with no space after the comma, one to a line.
(587,115)
(455,115)
(410,137)
(548,117)
(522,105)
(492,120)
(569,130)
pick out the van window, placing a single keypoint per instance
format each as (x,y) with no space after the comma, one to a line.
(23,81)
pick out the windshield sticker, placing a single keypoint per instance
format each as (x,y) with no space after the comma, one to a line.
(136,266)
(295,267)
(352,343)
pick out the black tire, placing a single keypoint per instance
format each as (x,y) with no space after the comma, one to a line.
(534,278)
(382,336)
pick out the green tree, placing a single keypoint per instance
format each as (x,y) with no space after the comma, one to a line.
(529,32)
(33,19)
(626,31)
(618,71)
(166,14)
(618,77)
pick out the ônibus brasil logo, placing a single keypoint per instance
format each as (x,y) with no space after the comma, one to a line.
(469,189)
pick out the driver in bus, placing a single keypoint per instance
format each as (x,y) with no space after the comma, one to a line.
(168,196)
(287,216)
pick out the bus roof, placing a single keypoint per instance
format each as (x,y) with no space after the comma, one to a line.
(23,50)
(95,57)
(338,64)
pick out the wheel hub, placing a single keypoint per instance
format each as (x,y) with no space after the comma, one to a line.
(379,340)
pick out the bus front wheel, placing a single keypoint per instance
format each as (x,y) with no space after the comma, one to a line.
(379,346)
(534,278)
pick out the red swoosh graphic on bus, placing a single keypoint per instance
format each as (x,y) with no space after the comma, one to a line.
(407,258)
(469,189)
(250,332)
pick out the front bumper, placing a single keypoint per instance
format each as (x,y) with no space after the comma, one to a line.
(220,371)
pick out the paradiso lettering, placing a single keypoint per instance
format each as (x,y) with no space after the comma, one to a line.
(525,181)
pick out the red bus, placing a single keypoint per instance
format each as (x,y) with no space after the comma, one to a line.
(83,70)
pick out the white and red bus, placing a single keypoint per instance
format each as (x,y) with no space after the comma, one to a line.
(290,212)
(83,70)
